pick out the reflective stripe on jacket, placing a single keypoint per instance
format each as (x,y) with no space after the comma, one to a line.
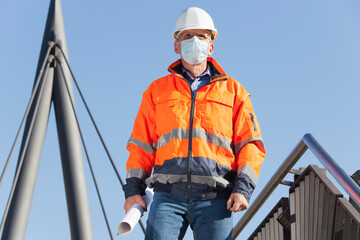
(200,146)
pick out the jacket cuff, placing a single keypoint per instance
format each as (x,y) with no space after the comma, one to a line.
(244,185)
(134,186)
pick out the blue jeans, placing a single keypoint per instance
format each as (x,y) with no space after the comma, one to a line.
(170,216)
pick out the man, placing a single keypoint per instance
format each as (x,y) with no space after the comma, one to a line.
(196,130)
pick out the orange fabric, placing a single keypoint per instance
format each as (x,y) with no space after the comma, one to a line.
(221,155)
(222,109)
(163,153)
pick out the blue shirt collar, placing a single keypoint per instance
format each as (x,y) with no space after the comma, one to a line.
(199,81)
(188,75)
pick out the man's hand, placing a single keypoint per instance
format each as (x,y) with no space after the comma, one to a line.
(136,199)
(237,202)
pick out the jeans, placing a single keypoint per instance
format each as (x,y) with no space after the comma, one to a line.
(170,216)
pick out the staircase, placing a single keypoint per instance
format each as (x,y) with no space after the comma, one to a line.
(315,208)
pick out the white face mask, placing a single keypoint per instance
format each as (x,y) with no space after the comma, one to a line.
(194,51)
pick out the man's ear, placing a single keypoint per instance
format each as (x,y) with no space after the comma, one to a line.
(177,47)
(211,49)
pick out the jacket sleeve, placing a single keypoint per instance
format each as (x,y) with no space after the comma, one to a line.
(142,148)
(248,145)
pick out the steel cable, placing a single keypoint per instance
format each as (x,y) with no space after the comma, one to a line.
(89,112)
(97,129)
(37,81)
(86,151)
(48,60)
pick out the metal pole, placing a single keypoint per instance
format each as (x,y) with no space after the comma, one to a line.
(345,181)
(69,138)
(69,141)
(37,81)
(88,159)
(71,156)
(16,221)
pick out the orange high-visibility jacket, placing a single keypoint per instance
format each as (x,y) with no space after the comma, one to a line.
(200,146)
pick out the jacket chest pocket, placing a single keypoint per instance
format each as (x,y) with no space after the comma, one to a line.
(219,113)
(169,110)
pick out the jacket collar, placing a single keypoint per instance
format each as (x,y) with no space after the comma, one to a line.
(218,73)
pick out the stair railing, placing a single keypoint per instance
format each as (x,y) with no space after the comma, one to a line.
(307,142)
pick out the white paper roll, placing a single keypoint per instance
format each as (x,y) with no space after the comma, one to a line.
(134,214)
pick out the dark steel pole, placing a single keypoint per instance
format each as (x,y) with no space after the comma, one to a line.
(69,137)
(72,161)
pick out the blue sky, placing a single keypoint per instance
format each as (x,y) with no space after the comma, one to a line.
(300,60)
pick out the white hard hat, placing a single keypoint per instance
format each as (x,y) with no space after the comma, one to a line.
(195,18)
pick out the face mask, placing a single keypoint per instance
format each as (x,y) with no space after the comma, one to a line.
(194,51)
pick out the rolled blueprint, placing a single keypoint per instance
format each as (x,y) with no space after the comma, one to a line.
(134,214)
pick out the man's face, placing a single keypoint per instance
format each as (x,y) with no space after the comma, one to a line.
(201,34)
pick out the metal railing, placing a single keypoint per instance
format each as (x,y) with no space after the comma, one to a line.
(307,142)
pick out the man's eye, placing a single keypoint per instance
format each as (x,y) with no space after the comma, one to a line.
(188,36)
(201,37)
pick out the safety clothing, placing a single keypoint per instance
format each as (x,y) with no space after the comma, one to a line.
(194,51)
(203,145)
(195,18)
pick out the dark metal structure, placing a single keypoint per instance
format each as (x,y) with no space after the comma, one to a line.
(307,192)
(271,228)
(315,210)
(52,85)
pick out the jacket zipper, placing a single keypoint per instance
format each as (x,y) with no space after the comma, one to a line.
(192,110)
